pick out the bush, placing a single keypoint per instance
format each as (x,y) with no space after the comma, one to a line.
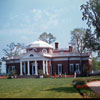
(80,85)
(9,77)
(46,76)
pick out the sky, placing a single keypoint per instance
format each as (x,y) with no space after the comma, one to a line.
(22,21)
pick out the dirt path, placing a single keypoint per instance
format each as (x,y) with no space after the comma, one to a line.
(95,86)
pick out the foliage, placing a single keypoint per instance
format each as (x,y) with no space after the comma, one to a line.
(91,14)
(13,49)
(77,37)
(49,38)
(46,76)
(40,72)
(81,86)
(12,74)
(95,64)
(86,69)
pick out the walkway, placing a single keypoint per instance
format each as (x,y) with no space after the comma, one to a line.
(95,86)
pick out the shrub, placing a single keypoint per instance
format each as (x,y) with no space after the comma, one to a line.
(80,85)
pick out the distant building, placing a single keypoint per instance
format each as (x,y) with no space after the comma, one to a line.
(40,55)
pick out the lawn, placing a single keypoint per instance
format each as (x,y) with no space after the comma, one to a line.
(38,88)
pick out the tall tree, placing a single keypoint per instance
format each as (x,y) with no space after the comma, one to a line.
(95,64)
(13,49)
(49,38)
(91,14)
(77,39)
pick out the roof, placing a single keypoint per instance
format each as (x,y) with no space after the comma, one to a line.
(40,44)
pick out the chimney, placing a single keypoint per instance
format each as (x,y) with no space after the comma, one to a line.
(70,49)
(56,45)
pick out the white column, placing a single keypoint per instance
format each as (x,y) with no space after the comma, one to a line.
(43,67)
(21,68)
(36,68)
(24,68)
(28,68)
(47,67)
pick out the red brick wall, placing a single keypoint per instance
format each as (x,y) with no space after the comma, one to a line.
(90,65)
(17,67)
(55,65)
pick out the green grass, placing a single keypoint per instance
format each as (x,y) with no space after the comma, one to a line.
(38,88)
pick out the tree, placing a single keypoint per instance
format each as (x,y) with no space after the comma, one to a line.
(13,49)
(77,39)
(49,38)
(91,14)
(95,64)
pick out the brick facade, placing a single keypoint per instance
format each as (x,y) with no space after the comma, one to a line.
(58,60)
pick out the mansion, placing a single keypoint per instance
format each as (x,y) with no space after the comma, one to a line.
(40,55)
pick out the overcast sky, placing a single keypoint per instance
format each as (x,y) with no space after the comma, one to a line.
(24,20)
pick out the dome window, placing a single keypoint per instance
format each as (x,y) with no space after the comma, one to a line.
(44,50)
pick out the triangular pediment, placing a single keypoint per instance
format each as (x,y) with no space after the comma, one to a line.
(31,55)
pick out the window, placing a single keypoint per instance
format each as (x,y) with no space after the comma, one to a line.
(59,69)
(31,55)
(11,68)
(71,68)
(77,68)
(51,69)
(44,50)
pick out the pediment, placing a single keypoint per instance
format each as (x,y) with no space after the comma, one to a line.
(31,55)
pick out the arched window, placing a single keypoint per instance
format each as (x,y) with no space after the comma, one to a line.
(31,55)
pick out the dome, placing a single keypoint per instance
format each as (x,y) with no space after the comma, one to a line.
(39,44)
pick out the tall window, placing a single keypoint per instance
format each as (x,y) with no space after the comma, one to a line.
(71,67)
(59,69)
(50,69)
(77,68)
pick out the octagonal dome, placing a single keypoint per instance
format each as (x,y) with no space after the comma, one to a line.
(39,44)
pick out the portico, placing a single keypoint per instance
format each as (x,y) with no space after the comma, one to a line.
(25,67)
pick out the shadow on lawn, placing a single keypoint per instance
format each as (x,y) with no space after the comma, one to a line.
(63,89)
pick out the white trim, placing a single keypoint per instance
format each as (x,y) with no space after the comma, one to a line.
(59,59)
(33,59)
(65,59)
(54,59)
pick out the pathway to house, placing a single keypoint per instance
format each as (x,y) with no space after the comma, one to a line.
(95,86)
